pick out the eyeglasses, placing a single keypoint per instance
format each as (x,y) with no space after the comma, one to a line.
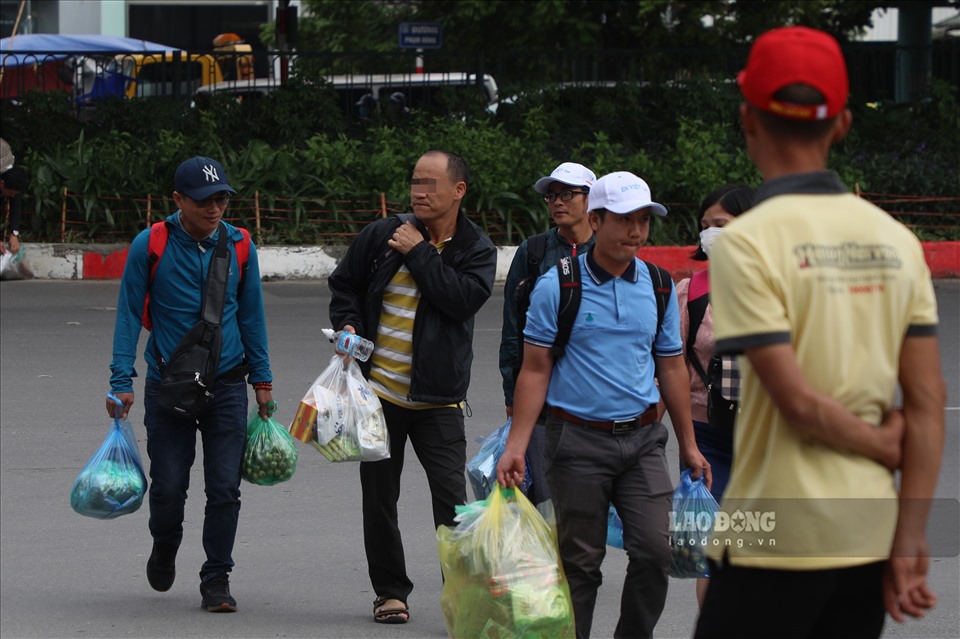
(565,196)
(220,200)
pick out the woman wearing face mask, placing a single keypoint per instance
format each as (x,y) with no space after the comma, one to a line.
(715,439)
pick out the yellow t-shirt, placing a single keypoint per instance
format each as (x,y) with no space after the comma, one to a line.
(843,283)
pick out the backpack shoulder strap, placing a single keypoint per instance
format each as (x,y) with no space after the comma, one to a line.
(699,285)
(568,269)
(243,249)
(695,310)
(156,246)
(155,249)
(536,250)
(159,234)
(698,297)
(662,285)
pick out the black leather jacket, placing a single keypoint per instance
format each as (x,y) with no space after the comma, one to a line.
(453,285)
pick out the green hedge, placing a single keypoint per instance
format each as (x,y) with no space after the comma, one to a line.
(298,144)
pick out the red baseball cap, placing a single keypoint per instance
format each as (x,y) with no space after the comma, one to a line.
(795,55)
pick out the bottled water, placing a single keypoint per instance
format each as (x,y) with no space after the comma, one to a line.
(353,345)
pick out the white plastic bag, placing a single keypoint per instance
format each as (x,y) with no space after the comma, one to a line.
(13,267)
(342,416)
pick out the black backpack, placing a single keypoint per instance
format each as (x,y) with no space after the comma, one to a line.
(536,249)
(568,269)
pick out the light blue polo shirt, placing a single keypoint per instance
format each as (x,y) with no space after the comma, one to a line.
(607,371)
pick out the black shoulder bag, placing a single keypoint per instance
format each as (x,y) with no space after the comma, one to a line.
(189,375)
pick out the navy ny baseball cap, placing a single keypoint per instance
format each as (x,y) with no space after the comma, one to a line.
(200,177)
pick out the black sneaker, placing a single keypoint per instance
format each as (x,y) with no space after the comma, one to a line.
(216,594)
(162,566)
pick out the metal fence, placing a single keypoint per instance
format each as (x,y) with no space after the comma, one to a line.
(308,221)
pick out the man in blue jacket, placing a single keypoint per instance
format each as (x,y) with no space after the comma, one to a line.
(176,290)
(413,287)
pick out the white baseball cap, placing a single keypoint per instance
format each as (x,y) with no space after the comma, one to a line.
(569,173)
(622,192)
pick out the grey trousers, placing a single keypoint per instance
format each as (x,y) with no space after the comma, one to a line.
(587,469)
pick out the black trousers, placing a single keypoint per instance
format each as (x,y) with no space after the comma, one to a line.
(845,603)
(438,438)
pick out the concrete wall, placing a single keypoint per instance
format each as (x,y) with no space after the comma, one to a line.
(99,261)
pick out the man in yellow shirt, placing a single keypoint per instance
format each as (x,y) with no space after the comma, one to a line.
(830,302)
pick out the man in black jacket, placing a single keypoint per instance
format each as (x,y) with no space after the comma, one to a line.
(413,287)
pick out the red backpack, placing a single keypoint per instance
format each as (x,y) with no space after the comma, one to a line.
(158,243)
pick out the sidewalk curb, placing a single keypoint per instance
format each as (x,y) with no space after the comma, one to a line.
(106,261)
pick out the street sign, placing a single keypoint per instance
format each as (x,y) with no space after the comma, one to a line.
(420,35)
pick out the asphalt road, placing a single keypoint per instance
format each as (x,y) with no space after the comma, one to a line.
(300,565)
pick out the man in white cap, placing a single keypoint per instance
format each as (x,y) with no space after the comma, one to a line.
(565,191)
(603,441)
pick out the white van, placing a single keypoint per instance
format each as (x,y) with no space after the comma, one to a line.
(360,91)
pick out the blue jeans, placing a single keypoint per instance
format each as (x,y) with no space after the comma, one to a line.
(171,446)
(716,445)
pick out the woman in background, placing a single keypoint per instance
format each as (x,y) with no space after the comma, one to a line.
(715,440)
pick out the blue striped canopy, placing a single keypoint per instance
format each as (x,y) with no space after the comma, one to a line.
(40,47)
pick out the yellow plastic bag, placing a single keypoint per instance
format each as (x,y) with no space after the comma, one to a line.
(502,573)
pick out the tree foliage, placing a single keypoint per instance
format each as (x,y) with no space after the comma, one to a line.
(292,151)
(497,26)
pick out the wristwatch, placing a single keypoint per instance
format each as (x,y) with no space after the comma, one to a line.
(17,233)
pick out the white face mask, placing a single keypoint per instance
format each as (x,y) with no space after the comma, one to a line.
(708,236)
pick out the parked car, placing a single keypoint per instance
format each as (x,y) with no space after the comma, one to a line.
(363,95)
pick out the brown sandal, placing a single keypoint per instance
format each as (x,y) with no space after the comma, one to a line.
(387,610)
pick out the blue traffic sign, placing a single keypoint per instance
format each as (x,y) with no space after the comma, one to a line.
(420,35)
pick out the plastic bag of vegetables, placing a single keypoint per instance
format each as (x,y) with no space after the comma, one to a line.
(694,513)
(113,482)
(502,571)
(270,454)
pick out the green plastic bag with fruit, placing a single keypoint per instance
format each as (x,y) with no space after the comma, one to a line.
(270,454)
(502,572)
(691,525)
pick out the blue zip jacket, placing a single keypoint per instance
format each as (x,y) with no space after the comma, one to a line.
(175,300)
